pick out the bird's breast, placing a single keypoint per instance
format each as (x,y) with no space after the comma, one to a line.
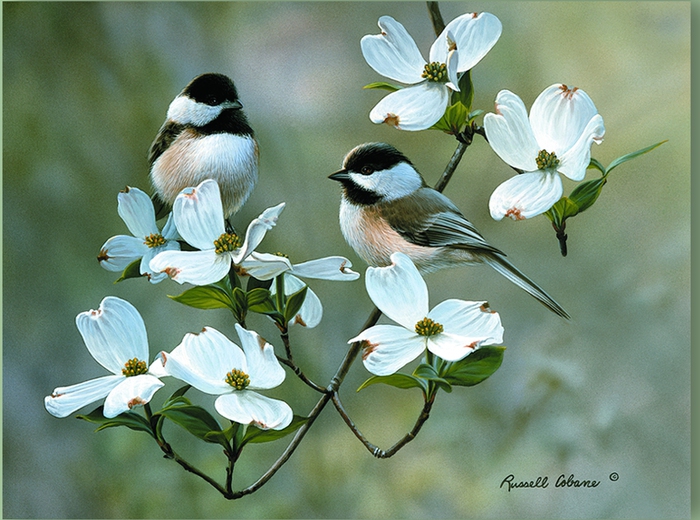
(231,160)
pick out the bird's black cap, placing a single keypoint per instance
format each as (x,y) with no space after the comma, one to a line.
(212,89)
(379,156)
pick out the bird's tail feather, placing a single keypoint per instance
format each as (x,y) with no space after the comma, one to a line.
(511,272)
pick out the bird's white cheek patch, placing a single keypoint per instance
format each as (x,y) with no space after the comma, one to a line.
(185,110)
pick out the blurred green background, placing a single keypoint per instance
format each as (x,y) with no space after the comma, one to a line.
(86,87)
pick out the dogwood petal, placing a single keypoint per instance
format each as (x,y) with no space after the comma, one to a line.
(453,347)
(328,268)
(263,368)
(559,116)
(203,360)
(195,267)
(414,108)
(119,251)
(150,254)
(509,133)
(199,216)
(256,231)
(393,53)
(311,310)
(472,35)
(469,319)
(265,266)
(389,348)
(399,291)
(132,391)
(114,333)
(67,399)
(575,160)
(526,195)
(136,210)
(246,407)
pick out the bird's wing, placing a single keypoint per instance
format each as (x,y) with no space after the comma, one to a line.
(428,218)
(166,135)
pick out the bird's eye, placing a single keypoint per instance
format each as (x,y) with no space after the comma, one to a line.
(213,100)
(367,170)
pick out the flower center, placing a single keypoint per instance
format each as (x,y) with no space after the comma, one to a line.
(435,71)
(281,255)
(227,242)
(546,160)
(154,240)
(238,379)
(427,327)
(134,367)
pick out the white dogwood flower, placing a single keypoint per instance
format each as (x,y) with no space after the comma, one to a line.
(556,139)
(213,364)
(136,210)
(451,330)
(115,335)
(199,218)
(394,54)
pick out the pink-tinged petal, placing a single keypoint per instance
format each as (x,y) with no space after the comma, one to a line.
(469,319)
(559,116)
(203,360)
(199,216)
(311,310)
(453,347)
(509,133)
(246,407)
(136,210)
(67,399)
(575,160)
(393,53)
(114,333)
(399,291)
(263,368)
(195,267)
(471,35)
(388,348)
(414,108)
(526,195)
(264,266)
(329,268)
(119,251)
(132,391)
(256,231)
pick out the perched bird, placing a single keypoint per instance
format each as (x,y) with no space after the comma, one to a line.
(206,135)
(387,207)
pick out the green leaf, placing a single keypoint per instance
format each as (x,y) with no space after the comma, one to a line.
(563,209)
(294,303)
(465,96)
(617,162)
(194,419)
(397,380)
(453,120)
(427,372)
(586,193)
(205,297)
(474,368)
(256,435)
(131,420)
(382,85)
(240,301)
(133,270)
(260,300)
(597,165)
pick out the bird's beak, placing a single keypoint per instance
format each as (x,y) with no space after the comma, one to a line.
(232,104)
(340,176)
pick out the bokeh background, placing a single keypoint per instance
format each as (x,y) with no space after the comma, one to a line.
(86,87)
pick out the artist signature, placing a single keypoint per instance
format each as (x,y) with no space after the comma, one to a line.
(562,481)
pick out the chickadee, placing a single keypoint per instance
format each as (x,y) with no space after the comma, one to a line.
(387,207)
(206,135)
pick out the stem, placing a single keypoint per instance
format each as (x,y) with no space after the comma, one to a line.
(451,166)
(436,18)
(375,450)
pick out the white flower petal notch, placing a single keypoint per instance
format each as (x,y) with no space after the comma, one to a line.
(452,330)
(115,336)
(555,139)
(213,364)
(199,218)
(394,54)
(136,210)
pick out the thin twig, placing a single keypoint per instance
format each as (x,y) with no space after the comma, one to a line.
(436,18)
